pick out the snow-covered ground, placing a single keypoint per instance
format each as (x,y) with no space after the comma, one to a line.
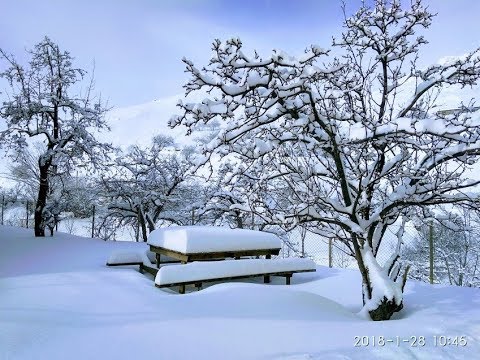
(58,300)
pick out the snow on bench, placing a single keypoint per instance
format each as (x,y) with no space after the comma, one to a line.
(198,272)
(211,239)
(129,257)
(144,258)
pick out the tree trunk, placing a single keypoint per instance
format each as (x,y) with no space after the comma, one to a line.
(238,219)
(41,200)
(141,221)
(382,296)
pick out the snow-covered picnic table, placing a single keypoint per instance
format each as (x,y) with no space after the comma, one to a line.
(197,243)
(193,246)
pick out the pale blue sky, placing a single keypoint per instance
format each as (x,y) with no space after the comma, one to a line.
(138,45)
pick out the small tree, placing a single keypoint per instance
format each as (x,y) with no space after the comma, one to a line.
(336,141)
(41,105)
(148,185)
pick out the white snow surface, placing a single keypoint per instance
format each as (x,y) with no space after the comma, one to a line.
(58,299)
(126,256)
(202,239)
(205,270)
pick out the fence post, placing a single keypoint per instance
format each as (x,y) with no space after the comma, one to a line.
(330,252)
(3,205)
(26,209)
(93,219)
(137,229)
(303,246)
(303,234)
(430,245)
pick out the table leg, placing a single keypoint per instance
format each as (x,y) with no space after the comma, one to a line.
(266,278)
(157,257)
(287,280)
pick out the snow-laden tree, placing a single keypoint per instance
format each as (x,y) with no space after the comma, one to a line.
(45,102)
(350,141)
(149,185)
(223,203)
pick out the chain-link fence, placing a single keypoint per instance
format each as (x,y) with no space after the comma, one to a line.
(16,212)
(20,213)
(429,262)
(335,253)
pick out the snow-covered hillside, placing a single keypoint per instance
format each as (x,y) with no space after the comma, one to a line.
(138,123)
(58,300)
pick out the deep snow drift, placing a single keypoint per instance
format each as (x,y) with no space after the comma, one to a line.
(58,300)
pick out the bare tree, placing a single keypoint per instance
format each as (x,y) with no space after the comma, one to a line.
(354,155)
(148,185)
(41,105)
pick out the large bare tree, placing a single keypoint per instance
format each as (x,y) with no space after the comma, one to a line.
(44,101)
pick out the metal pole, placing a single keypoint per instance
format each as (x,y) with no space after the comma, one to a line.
(26,206)
(137,230)
(303,234)
(3,206)
(93,220)
(330,252)
(430,245)
(303,246)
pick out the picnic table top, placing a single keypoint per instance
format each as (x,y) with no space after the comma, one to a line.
(212,239)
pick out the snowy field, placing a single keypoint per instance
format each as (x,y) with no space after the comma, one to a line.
(58,300)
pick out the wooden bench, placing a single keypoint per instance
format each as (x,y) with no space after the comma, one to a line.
(196,273)
(135,257)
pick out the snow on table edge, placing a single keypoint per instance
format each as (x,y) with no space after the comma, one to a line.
(229,268)
(205,239)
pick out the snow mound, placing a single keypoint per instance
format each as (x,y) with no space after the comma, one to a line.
(260,301)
